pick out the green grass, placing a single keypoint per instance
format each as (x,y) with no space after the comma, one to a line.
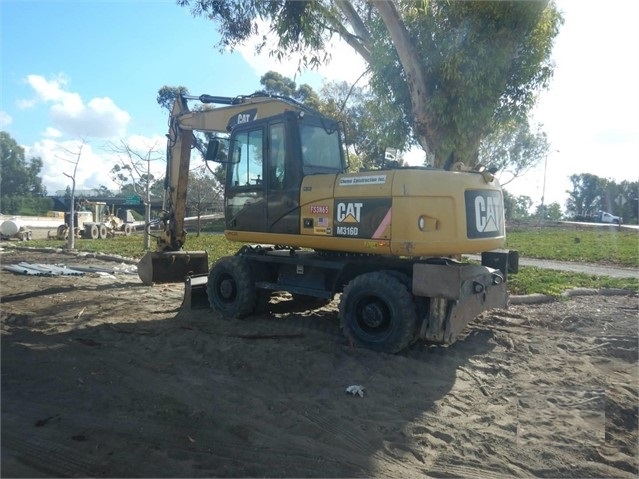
(608,246)
(552,282)
(133,247)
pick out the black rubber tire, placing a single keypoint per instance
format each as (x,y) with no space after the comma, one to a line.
(127,229)
(102,231)
(378,312)
(94,232)
(263,303)
(63,230)
(231,287)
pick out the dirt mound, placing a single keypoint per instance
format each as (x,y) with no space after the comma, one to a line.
(102,376)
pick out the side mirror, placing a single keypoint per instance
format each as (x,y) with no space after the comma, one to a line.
(212,150)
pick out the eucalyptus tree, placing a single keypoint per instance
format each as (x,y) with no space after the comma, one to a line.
(455,69)
(19,177)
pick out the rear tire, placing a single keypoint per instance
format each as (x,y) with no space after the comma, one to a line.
(231,288)
(102,231)
(92,231)
(378,312)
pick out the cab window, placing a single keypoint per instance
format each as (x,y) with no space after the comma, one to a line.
(248,159)
(276,167)
(320,148)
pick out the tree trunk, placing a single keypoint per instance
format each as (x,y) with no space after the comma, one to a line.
(415,77)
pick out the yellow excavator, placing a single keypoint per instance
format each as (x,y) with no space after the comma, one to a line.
(388,240)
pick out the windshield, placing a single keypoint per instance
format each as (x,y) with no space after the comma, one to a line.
(321,148)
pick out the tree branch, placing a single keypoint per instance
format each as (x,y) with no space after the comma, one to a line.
(415,74)
(359,28)
(357,43)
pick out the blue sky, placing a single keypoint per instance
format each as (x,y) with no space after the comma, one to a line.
(121,50)
(91,69)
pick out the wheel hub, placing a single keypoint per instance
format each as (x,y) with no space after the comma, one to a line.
(373,315)
(227,288)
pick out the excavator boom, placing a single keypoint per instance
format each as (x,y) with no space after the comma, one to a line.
(168,263)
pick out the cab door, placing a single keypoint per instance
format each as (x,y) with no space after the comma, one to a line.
(283,179)
(245,205)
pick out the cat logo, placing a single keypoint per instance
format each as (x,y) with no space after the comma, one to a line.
(484,213)
(487,214)
(243,117)
(349,212)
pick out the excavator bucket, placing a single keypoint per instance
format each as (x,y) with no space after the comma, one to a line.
(172,267)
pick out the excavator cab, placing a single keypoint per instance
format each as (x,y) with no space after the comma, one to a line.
(266,164)
(264,173)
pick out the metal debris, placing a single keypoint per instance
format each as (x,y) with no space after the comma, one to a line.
(37,269)
(356,390)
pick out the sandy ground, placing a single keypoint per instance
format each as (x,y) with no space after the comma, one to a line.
(105,377)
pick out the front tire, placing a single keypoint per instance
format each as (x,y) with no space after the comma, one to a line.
(231,288)
(378,312)
(63,232)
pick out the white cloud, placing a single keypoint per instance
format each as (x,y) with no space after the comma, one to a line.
(344,64)
(99,118)
(5,119)
(95,162)
(52,133)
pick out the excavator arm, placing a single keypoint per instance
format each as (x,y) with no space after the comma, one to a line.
(182,124)
(163,265)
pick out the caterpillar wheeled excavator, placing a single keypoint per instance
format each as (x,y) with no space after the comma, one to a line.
(385,239)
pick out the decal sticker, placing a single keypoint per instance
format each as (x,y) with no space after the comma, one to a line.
(362,218)
(362,180)
(349,212)
(322,221)
(383,225)
(484,214)
(347,231)
(245,116)
(375,244)
(319,209)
